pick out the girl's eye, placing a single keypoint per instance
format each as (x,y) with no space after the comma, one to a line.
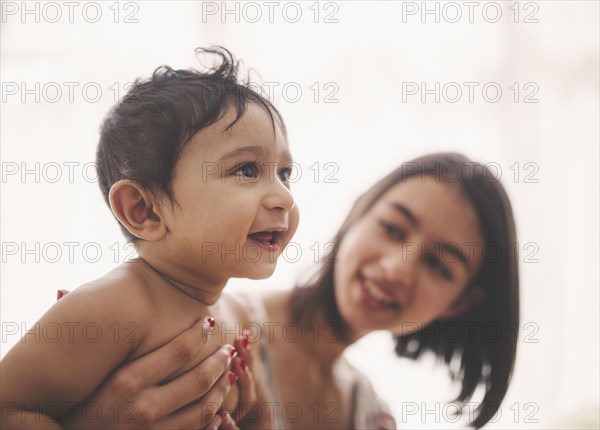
(394,232)
(285,173)
(247,170)
(436,264)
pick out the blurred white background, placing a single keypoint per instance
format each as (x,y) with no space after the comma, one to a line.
(351,61)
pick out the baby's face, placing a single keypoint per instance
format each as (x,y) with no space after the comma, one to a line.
(233,212)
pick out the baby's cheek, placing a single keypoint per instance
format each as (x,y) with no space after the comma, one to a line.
(294,219)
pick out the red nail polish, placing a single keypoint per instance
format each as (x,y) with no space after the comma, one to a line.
(59,294)
(245,340)
(233,352)
(243,363)
(211,322)
(232,378)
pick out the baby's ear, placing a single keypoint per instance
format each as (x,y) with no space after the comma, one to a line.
(469,299)
(134,207)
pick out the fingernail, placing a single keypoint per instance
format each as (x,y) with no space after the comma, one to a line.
(245,340)
(232,351)
(232,378)
(243,363)
(60,294)
(211,322)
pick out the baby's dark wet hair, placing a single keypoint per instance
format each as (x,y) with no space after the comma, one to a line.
(143,135)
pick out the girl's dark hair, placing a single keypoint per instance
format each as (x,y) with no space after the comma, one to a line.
(482,340)
(143,135)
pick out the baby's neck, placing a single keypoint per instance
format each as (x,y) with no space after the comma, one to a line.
(202,289)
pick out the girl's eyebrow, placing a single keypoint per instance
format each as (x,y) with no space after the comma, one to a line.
(448,247)
(407,213)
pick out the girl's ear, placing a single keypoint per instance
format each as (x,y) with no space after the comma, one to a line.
(469,299)
(135,208)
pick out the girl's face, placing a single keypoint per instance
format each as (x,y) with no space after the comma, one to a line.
(406,261)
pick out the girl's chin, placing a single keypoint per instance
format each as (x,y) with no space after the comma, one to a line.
(356,319)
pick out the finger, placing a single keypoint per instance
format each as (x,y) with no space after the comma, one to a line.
(215,423)
(245,379)
(201,413)
(168,359)
(246,384)
(244,348)
(193,384)
(229,423)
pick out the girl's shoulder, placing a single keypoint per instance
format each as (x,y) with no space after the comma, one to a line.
(251,309)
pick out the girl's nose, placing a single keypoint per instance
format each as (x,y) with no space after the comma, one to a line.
(400,265)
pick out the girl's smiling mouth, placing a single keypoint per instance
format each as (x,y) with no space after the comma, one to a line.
(375,297)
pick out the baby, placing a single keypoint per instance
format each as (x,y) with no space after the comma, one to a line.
(195,167)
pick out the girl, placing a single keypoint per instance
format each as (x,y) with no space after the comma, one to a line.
(424,254)
(428,258)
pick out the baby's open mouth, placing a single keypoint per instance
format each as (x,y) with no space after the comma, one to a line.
(270,239)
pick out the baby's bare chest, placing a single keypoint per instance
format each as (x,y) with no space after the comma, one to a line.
(171,320)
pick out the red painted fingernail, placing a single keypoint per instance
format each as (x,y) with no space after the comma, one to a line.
(233,352)
(232,378)
(60,294)
(243,363)
(245,340)
(211,322)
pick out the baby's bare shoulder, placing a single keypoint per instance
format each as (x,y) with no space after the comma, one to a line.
(79,341)
(120,294)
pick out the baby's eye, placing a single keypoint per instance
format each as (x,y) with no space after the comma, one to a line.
(434,262)
(285,173)
(394,232)
(247,170)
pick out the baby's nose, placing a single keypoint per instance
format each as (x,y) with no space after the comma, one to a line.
(279,197)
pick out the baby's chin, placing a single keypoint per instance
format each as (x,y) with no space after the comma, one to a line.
(258,273)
